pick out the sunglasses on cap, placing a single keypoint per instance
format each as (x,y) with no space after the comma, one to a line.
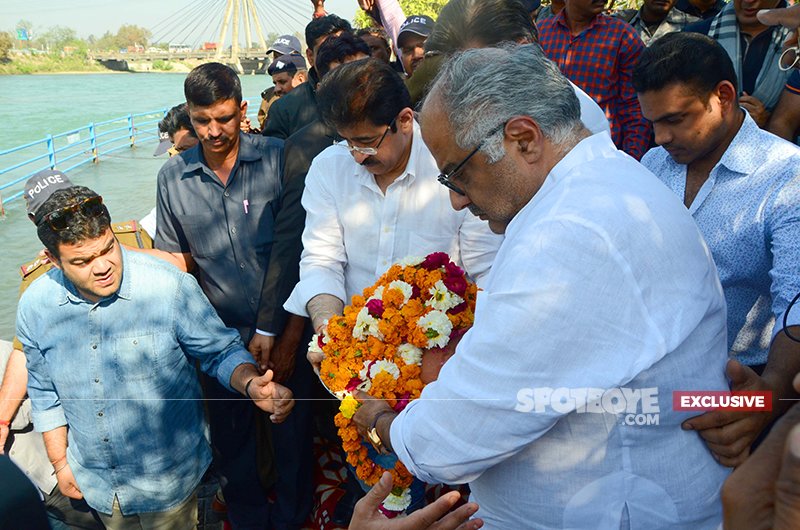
(60,219)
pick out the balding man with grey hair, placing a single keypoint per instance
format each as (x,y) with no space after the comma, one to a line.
(602,301)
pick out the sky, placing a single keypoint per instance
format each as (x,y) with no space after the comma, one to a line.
(95,17)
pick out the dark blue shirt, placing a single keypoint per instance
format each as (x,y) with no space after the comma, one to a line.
(228,229)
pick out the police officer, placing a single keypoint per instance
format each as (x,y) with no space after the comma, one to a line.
(283,45)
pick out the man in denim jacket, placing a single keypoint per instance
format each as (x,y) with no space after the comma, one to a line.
(110,338)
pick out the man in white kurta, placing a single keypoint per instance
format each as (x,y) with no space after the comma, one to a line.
(361,218)
(603,287)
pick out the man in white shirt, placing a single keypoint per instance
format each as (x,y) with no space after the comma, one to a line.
(602,300)
(373,200)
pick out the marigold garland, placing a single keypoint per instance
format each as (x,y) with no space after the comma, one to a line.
(378,343)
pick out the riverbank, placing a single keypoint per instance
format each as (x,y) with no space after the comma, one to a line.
(49,64)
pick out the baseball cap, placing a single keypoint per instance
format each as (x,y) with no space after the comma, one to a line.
(287,63)
(418,24)
(164,143)
(41,186)
(285,44)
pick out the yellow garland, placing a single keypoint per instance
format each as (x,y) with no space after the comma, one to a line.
(345,355)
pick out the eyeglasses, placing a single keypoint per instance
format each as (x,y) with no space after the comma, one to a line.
(369,151)
(791,54)
(60,219)
(446,179)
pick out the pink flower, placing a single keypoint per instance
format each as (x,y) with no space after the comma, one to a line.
(415,292)
(389,514)
(457,284)
(435,260)
(457,309)
(402,402)
(353,384)
(451,269)
(375,307)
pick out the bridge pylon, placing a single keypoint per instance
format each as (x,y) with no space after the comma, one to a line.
(239,13)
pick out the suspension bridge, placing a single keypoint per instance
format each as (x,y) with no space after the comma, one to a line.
(235,32)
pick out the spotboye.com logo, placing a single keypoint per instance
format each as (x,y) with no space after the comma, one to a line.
(637,406)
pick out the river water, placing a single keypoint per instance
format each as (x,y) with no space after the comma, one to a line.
(33,106)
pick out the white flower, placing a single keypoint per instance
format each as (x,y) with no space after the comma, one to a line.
(437,327)
(373,368)
(411,261)
(442,298)
(364,376)
(404,288)
(325,337)
(367,384)
(313,346)
(377,295)
(366,325)
(398,503)
(384,366)
(410,354)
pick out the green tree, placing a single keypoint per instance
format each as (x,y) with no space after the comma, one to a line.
(6,43)
(56,37)
(131,34)
(107,42)
(270,37)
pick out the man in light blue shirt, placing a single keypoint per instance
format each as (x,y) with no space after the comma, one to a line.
(110,338)
(742,186)
(602,300)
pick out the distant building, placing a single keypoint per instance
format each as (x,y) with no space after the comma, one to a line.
(179,48)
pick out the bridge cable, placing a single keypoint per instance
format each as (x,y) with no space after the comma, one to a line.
(282,26)
(204,31)
(182,34)
(170,34)
(166,24)
(295,14)
(282,18)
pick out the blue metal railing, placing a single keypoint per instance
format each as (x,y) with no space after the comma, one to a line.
(72,149)
(69,150)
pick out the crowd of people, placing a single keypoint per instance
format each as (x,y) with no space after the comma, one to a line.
(623,187)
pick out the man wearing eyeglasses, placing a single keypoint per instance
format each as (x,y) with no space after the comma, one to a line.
(373,199)
(111,338)
(602,286)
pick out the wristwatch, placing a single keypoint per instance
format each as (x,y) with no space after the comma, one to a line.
(372,433)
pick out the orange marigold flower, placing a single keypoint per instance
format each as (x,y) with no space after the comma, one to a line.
(346,357)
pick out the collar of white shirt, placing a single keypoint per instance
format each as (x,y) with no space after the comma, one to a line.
(410,172)
(596,146)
